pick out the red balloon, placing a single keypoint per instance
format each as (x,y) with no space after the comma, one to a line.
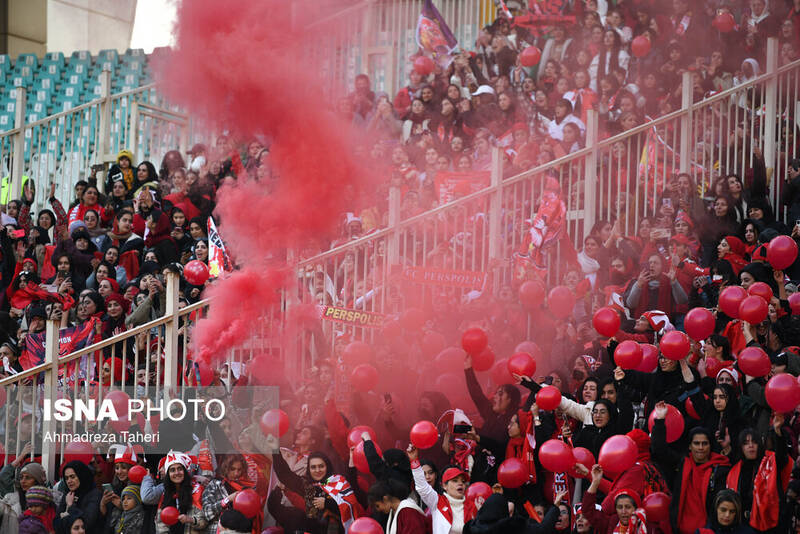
(521,364)
(561,301)
(119,399)
(474,340)
(628,354)
(582,456)
(478,489)
(673,421)
(617,455)
(729,300)
(412,319)
(556,456)
(512,473)
(781,252)
(136,474)
(432,344)
(531,294)
(247,502)
(480,362)
(364,378)
(754,362)
(450,359)
(530,56)
(531,348)
(424,65)
(354,435)
(548,398)
(649,358)
(169,515)
(675,345)
(274,422)
(724,22)
(690,409)
(640,46)
(365,525)
(656,507)
(761,289)
(78,450)
(606,321)
(360,459)
(196,272)
(794,303)
(356,353)
(782,392)
(699,323)
(500,373)
(713,367)
(424,435)
(753,309)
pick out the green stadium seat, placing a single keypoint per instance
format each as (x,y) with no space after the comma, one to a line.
(26,71)
(72,91)
(109,54)
(53,58)
(134,52)
(51,70)
(74,79)
(40,95)
(45,83)
(28,59)
(81,55)
(18,81)
(5,63)
(78,68)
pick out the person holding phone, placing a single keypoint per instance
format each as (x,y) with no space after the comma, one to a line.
(110,503)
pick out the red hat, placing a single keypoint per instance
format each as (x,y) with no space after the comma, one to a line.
(683,216)
(453,472)
(119,299)
(123,454)
(641,438)
(736,244)
(520,127)
(681,239)
(627,492)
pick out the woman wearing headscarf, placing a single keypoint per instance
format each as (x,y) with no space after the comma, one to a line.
(722,415)
(158,238)
(14,482)
(231,478)
(81,495)
(184,494)
(732,250)
(604,425)
(612,56)
(89,201)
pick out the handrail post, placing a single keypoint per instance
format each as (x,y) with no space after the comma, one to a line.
(51,348)
(771,110)
(171,333)
(686,121)
(133,130)
(590,172)
(393,248)
(495,203)
(18,163)
(104,126)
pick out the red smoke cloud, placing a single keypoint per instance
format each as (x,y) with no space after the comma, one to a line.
(240,67)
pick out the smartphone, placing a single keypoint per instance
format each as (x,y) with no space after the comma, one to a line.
(667,202)
(797,222)
(548,380)
(461,429)
(108,487)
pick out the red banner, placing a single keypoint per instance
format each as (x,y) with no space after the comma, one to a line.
(451,185)
(353,317)
(445,277)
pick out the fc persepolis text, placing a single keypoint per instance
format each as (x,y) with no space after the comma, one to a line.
(80,410)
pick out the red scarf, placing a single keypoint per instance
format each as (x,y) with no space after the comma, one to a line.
(46,519)
(523,447)
(664,298)
(464,448)
(766,505)
(694,490)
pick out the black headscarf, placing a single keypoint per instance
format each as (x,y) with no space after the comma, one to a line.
(493,518)
(85,476)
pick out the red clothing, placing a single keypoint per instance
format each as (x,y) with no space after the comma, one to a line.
(694,490)
(766,497)
(410,521)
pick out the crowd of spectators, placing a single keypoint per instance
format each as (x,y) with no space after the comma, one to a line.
(99,260)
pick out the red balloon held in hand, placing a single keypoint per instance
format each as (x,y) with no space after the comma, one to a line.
(649,358)
(530,56)
(356,353)
(478,489)
(512,473)
(781,252)
(360,459)
(640,46)
(760,289)
(169,515)
(424,65)
(675,345)
(656,507)
(247,502)
(561,301)
(354,435)
(365,525)
(724,22)
(729,300)
(794,303)
(617,455)
(556,456)
(699,323)
(364,378)
(673,421)
(782,392)
(753,361)
(521,364)
(548,398)
(484,360)
(584,457)
(196,272)
(274,422)
(713,367)
(136,474)
(753,309)
(628,354)
(606,321)
(474,340)
(424,435)
(531,294)
(690,409)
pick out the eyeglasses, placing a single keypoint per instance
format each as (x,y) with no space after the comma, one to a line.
(599,412)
